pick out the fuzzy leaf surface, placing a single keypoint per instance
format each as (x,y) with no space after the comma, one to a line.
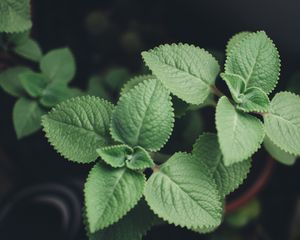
(10,82)
(15,16)
(27,117)
(59,65)
(134,82)
(235,84)
(254,100)
(110,193)
(187,71)
(133,226)
(278,154)
(144,116)
(240,134)
(140,159)
(115,155)
(256,59)
(235,40)
(183,192)
(282,123)
(77,127)
(228,178)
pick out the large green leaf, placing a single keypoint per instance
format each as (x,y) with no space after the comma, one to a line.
(228,178)
(131,227)
(256,59)
(77,127)
(282,123)
(134,82)
(278,154)
(187,71)
(27,117)
(15,16)
(10,82)
(33,83)
(183,192)
(236,39)
(144,116)
(110,193)
(240,134)
(59,65)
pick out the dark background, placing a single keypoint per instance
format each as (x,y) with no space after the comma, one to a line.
(104,34)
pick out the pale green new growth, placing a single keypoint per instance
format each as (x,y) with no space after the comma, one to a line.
(187,71)
(27,117)
(15,16)
(140,159)
(110,193)
(278,154)
(256,59)
(144,116)
(115,155)
(282,123)
(58,65)
(184,193)
(228,178)
(77,127)
(235,84)
(133,226)
(254,100)
(240,134)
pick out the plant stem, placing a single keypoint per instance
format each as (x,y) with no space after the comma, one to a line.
(216,91)
(155,168)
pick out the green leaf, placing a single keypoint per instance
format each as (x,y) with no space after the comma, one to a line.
(134,82)
(15,16)
(184,193)
(131,227)
(27,117)
(116,77)
(54,94)
(235,84)
(228,178)
(140,159)
(30,50)
(235,40)
(96,88)
(115,155)
(77,127)
(282,123)
(10,82)
(256,59)
(144,116)
(187,71)
(254,100)
(278,154)
(59,65)
(33,83)
(240,134)
(110,193)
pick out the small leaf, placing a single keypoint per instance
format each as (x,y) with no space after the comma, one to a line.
(140,159)
(115,155)
(282,123)
(77,127)
(133,226)
(235,40)
(235,84)
(96,88)
(110,193)
(54,94)
(33,83)
(278,154)
(30,50)
(134,82)
(116,77)
(256,59)
(228,178)
(187,71)
(59,65)
(240,134)
(144,116)
(27,117)
(15,16)
(10,82)
(254,100)
(184,193)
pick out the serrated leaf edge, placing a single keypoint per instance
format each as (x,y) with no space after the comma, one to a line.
(132,79)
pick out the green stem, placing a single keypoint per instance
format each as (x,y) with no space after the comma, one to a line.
(216,91)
